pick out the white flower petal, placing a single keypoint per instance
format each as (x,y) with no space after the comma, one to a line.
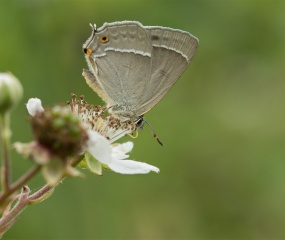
(131,167)
(119,155)
(124,147)
(34,105)
(99,147)
(120,150)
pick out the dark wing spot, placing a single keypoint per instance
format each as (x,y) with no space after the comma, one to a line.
(154,37)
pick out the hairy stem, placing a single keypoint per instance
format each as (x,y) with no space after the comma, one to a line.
(20,182)
(5,142)
(7,221)
(9,218)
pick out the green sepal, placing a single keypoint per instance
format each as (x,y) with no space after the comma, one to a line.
(93,164)
(83,163)
(53,171)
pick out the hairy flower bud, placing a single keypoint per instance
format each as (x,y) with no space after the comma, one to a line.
(59,131)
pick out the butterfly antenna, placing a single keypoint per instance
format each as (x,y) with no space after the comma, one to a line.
(153,133)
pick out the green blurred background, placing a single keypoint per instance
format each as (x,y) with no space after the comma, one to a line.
(223,124)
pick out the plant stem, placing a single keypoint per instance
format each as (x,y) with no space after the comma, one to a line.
(20,182)
(5,141)
(7,220)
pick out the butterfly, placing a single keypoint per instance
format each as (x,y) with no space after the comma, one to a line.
(132,67)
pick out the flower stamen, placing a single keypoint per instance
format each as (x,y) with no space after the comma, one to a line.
(96,118)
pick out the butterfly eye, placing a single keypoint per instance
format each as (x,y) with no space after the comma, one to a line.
(104,39)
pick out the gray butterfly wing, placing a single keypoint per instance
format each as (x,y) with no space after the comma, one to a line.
(121,65)
(172,53)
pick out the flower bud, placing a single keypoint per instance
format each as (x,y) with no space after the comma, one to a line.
(11,92)
(59,131)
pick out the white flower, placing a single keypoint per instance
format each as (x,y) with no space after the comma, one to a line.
(34,106)
(114,156)
(102,131)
